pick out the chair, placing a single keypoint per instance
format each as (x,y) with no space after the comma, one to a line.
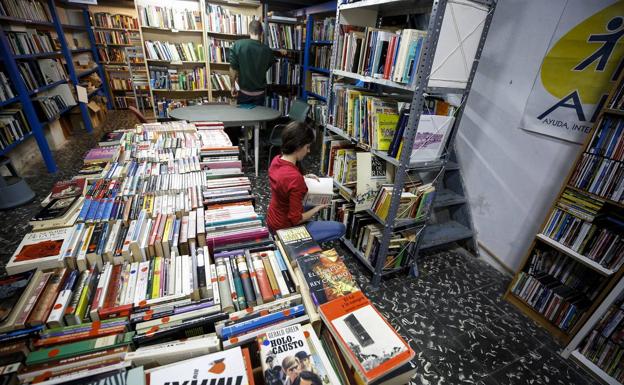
(298,112)
(14,191)
(138,114)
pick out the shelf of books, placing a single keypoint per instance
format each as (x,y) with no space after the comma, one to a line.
(577,257)
(596,346)
(285,36)
(392,87)
(319,38)
(42,45)
(117,22)
(152,265)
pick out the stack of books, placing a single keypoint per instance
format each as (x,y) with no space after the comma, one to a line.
(30,42)
(279,102)
(220,81)
(106,20)
(173,52)
(323,30)
(415,202)
(163,78)
(284,36)
(6,90)
(284,72)
(320,57)
(112,37)
(13,126)
(380,53)
(319,84)
(36,10)
(169,17)
(221,20)
(218,50)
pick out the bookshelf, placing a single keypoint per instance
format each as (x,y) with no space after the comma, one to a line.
(68,27)
(581,228)
(437,73)
(118,18)
(320,23)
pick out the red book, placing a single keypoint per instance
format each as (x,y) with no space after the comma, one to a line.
(113,287)
(389,57)
(263,279)
(369,342)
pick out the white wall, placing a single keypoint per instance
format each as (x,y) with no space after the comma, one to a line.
(511,175)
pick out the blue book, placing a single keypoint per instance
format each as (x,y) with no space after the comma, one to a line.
(85,209)
(108,209)
(615,138)
(99,214)
(103,239)
(95,204)
(414,69)
(257,323)
(604,129)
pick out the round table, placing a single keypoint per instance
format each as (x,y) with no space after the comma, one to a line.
(231,116)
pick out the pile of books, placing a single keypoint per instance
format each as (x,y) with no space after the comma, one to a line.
(6,90)
(557,288)
(106,20)
(603,345)
(112,37)
(323,30)
(285,72)
(600,170)
(284,36)
(380,53)
(153,262)
(279,102)
(218,50)
(319,84)
(222,20)
(169,17)
(26,9)
(13,126)
(220,81)
(173,52)
(163,78)
(30,42)
(47,107)
(320,57)
(415,202)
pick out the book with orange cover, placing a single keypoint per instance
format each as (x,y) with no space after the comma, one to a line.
(367,340)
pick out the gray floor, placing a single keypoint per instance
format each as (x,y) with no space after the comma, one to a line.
(453,315)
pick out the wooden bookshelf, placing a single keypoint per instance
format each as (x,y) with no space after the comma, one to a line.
(609,276)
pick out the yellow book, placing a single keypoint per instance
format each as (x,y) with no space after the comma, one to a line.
(384,130)
(156,283)
(81,309)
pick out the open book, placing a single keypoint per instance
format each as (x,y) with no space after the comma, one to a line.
(320,192)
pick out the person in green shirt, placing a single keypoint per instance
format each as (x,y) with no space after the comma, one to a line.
(249,61)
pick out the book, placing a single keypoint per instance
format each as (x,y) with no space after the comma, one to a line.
(319,360)
(326,276)
(297,242)
(320,192)
(174,351)
(225,367)
(368,341)
(286,350)
(112,138)
(42,250)
(16,290)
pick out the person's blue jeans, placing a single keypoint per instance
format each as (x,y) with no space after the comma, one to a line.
(325,231)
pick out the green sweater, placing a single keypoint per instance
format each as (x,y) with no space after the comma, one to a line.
(251,59)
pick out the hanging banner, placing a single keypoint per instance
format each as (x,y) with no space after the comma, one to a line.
(585,56)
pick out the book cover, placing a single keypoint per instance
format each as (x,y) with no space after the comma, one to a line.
(320,192)
(68,188)
(11,291)
(327,276)
(319,360)
(368,341)
(39,250)
(103,154)
(286,356)
(297,242)
(225,367)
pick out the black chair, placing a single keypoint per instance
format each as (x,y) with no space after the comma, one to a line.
(298,111)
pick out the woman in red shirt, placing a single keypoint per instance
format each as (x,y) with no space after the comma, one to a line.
(288,187)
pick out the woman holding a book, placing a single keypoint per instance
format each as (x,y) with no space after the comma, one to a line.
(288,188)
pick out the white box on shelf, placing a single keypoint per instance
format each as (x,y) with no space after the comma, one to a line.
(458,43)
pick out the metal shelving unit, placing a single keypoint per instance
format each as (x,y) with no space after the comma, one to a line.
(321,11)
(369,13)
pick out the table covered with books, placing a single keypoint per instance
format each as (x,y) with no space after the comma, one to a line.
(152,266)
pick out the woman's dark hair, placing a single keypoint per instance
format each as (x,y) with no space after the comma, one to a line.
(312,377)
(296,135)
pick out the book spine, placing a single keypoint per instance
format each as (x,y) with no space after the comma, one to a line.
(246,280)
(20,321)
(238,284)
(263,280)
(215,285)
(45,303)
(70,316)
(224,287)
(270,274)
(281,283)
(55,318)
(254,278)
(230,277)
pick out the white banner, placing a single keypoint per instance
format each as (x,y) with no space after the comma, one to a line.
(585,56)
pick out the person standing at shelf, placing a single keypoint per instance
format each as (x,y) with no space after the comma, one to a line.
(249,61)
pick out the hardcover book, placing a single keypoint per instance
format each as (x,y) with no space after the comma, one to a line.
(40,250)
(327,276)
(225,367)
(368,341)
(320,192)
(68,188)
(297,242)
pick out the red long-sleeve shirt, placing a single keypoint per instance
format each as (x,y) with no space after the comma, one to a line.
(287,191)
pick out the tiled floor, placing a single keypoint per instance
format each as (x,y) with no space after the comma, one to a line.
(453,315)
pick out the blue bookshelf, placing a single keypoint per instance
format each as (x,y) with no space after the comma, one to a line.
(24,95)
(313,13)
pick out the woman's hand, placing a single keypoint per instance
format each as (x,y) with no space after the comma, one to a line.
(312,176)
